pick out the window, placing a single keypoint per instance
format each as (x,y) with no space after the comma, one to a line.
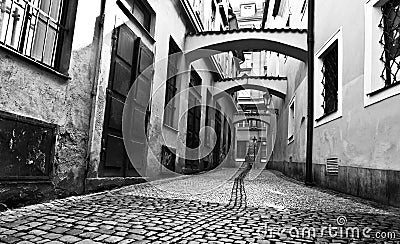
(39,29)
(141,11)
(291,121)
(213,11)
(328,80)
(248,62)
(263,146)
(247,10)
(208,120)
(381,73)
(171,86)
(390,25)
(241,149)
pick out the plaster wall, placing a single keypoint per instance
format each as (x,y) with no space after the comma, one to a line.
(29,90)
(366,137)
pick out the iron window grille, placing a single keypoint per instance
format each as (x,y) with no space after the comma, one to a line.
(330,79)
(390,25)
(33,28)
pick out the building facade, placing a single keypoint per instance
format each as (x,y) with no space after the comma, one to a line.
(356,93)
(67,76)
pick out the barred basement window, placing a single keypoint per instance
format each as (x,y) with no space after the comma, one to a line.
(37,29)
(330,79)
(390,24)
(26,148)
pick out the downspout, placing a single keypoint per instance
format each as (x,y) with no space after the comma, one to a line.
(310,93)
(265,14)
(94,75)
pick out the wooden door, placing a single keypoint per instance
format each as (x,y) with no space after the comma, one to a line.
(139,111)
(193,131)
(127,62)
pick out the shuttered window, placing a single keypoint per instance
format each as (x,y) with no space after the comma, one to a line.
(171,86)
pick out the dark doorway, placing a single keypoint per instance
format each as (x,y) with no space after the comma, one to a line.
(193,121)
(217,148)
(129,59)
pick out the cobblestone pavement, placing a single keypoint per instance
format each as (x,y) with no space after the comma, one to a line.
(201,209)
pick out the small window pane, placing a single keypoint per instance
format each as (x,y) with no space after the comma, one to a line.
(50,43)
(139,15)
(39,40)
(55,9)
(45,6)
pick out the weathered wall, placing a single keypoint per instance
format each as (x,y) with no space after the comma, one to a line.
(29,90)
(32,92)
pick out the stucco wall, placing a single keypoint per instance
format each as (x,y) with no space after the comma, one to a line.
(295,72)
(29,90)
(365,137)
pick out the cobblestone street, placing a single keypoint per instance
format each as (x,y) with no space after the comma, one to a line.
(218,207)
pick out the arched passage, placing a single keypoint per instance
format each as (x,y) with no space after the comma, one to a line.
(240,117)
(290,42)
(276,86)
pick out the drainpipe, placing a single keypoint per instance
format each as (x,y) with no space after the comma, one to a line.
(310,103)
(265,14)
(94,74)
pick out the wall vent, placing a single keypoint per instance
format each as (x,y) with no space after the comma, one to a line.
(332,166)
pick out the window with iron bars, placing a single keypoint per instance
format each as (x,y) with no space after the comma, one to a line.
(330,79)
(390,25)
(34,28)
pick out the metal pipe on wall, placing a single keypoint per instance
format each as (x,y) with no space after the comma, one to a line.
(310,93)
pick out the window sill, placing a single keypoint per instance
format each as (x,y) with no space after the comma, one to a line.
(34,62)
(326,118)
(171,128)
(382,89)
(125,10)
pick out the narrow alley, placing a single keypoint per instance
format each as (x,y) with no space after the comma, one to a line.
(199,121)
(268,209)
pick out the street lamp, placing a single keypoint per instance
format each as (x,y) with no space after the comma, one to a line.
(254,145)
(267,99)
